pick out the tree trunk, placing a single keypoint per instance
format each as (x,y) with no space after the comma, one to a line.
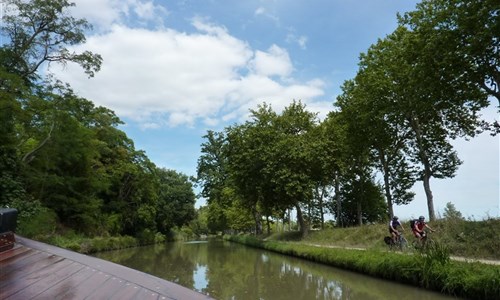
(321,208)
(359,214)
(258,221)
(428,193)
(301,221)
(337,200)
(268,225)
(427,168)
(387,186)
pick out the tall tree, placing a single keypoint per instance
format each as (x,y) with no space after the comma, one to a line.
(41,31)
(290,166)
(370,100)
(248,152)
(420,101)
(461,39)
(211,168)
(175,201)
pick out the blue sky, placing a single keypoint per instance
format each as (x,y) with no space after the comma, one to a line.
(174,69)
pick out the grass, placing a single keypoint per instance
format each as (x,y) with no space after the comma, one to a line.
(475,239)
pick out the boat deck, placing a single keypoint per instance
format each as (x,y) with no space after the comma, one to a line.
(34,270)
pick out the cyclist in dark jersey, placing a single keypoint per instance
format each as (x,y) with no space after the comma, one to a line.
(393,228)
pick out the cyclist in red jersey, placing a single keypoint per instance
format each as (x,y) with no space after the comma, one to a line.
(419,226)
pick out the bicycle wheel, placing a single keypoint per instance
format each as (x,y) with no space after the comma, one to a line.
(403,243)
(427,243)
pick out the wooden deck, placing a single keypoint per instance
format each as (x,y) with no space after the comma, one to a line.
(34,270)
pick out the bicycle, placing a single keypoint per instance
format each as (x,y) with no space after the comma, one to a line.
(423,243)
(400,244)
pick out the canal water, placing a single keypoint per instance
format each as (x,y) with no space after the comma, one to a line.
(226,270)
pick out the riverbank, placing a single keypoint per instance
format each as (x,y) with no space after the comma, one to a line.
(432,270)
(462,238)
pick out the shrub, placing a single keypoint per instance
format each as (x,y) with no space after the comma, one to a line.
(37,225)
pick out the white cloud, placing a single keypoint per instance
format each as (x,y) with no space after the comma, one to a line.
(97,12)
(104,13)
(260,11)
(274,62)
(166,77)
(299,40)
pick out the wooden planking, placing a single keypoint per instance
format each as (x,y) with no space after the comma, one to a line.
(18,250)
(9,265)
(33,270)
(31,264)
(86,287)
(29,286)
(47,282)
(110,287)
(70,287)
(127,293)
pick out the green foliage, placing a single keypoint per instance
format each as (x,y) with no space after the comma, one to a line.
(176,200)
(40,31)
(450,212)
(159,238)
(79,243)
(146,237)
(462,38)
(199,226)
(38,222)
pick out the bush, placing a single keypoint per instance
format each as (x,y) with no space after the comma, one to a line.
(146,237)
(37,224)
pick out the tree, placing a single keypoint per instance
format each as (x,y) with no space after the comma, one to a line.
(211,168)
(11,87)
(335,153)
(362,109)
(247,153)
(429,108)
(37,32)
(450,212)
(461,36)
(291,160)
(40,31)
(176,200)
(363,201)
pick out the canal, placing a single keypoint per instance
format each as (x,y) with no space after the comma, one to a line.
(226,270)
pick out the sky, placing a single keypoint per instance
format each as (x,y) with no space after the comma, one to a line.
(172,70)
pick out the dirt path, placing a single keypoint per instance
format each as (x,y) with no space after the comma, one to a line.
(457,258)
(484,261)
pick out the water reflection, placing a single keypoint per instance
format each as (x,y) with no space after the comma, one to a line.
(227,270)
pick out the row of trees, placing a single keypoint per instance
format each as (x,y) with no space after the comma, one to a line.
(59,151)
(415,91)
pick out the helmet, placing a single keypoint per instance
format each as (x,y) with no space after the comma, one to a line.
(421,218)
(394,218)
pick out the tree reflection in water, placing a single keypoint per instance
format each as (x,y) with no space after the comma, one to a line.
(226,270)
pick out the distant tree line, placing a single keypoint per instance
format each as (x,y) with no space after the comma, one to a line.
(416,90)
(60,153)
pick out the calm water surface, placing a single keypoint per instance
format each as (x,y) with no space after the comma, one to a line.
(226,270)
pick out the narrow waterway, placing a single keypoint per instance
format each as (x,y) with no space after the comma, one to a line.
(226,270)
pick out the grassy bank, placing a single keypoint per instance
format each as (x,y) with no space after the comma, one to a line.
(432,270)
(475,239)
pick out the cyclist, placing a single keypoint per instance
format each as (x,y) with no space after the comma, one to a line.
(393,228)
(419,226)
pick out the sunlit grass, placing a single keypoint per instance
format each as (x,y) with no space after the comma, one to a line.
(476,239)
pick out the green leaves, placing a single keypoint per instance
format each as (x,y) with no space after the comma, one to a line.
(40,31)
